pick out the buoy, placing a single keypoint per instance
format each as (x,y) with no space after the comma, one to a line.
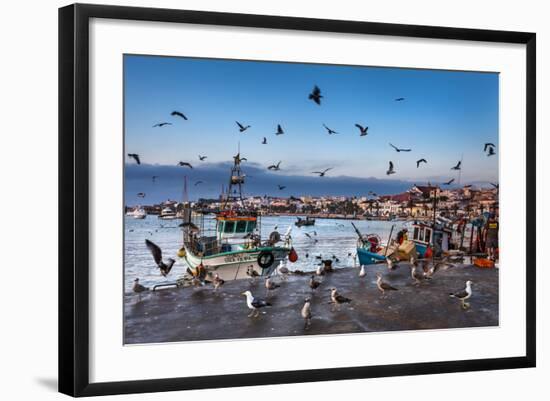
(181,253)
(293,256)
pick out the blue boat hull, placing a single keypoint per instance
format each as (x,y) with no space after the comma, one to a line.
(368,258)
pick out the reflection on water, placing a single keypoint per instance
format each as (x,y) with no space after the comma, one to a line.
(334,237)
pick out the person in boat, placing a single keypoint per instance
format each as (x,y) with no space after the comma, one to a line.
(491,236)
(402,236)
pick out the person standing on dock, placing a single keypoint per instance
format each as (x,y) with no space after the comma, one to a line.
(491,236)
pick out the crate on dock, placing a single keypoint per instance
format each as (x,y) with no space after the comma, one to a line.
(484,263)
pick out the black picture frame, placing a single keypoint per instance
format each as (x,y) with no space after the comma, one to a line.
(74,198)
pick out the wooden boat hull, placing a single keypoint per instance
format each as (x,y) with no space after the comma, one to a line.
(234,265)
(367,257)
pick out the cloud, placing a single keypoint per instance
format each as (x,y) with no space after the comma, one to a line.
(259,181)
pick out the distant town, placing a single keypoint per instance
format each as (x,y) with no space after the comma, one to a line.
(418,203)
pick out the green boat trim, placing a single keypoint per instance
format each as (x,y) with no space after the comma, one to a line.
(269,249)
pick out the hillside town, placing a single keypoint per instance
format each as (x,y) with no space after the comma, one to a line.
(417,203)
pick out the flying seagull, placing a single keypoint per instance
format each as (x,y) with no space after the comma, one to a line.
(382,285)
(338,299)
(330,131)
(239,159)
(179,114)
(134,156)
(254,304)
(185,164)
(161,124)
(321,173)
(315,95)
(154,178)
(449,182)
(488,145)
(202,158)
(463,295)
(198,182)
(494,185)
(457,167)
(420,161)
(242,128)
(399,149)
(390,169)
(141,194)
(280,130)
(264,142)
(281,187)
(362,130)
(491,152)
(274,167)
(306,313)
(399,99)
(157,256)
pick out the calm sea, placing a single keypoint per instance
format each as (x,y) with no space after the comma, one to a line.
(334,237)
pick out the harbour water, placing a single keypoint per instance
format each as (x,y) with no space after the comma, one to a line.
(328,238)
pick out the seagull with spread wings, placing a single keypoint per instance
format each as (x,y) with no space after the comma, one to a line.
(178,114)
(242,128)
(399,149)
(161,124)
(390,169)
(330,131)
(135,156)
(322,173)
(185,164)
(362,130)
(420,161)
(157,256)
(315,95)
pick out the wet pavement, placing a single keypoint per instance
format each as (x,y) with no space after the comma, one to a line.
(200,313)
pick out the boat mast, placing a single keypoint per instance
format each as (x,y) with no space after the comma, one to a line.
(236,181)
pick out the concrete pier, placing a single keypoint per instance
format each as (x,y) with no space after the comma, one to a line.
(200,313)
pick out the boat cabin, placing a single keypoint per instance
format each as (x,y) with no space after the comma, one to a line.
(425,236)
(229,227)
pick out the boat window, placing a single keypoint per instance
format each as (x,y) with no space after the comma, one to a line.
(416,231)
(428,234)
(229,227)
(220,226)
(251,226)
(241,226)
(421,235)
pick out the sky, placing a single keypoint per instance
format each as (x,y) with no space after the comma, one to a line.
(446,116)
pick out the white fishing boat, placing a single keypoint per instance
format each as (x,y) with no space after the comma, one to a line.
(229,242)
(167,214)
(138,213)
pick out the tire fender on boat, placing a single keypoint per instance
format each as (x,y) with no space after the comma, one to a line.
(265,259)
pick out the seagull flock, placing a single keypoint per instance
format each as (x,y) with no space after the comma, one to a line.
(316,97)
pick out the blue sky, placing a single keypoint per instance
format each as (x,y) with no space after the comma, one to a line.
(446,116)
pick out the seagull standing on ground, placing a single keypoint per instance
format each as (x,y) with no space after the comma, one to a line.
(270,285)
(463,295)
(362,272)
(157,256)
(390,263)
(315,95)
(217,281)
(382,285)
(314,284)
(134,156)
(416,275)
(250,272)
(338,299)
(306,313)
(137,287)
(254,304)
(283,270)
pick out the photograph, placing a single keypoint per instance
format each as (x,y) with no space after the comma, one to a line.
(270,199)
